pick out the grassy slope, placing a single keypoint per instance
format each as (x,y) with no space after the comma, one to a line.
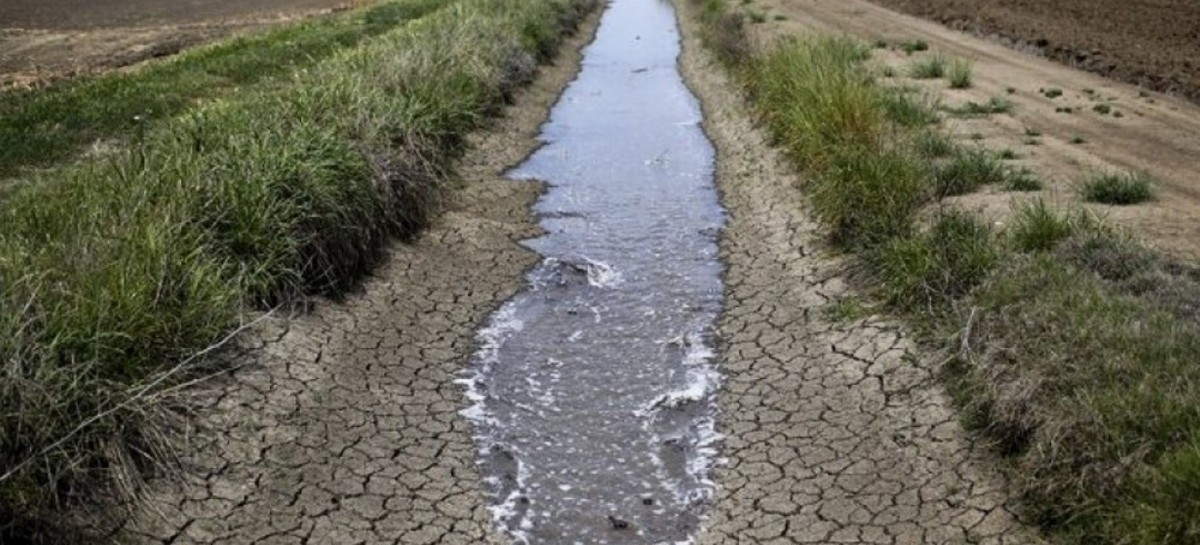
(1081,344)
(114,268)
(41,126)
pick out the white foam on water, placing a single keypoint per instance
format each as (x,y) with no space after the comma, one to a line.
(501,326)
(601,274)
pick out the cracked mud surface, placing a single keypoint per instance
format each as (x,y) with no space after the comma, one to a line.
(836,432)
(345,427)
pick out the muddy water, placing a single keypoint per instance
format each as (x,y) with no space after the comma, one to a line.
(593,390)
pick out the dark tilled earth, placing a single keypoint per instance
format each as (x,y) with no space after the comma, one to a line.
(91,14)
(1154,43)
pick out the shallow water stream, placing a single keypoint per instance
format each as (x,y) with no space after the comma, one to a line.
(593,390)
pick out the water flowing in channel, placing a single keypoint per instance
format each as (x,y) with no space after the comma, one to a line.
(593,390)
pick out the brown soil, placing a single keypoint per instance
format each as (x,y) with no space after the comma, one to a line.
(1154,133)
(43,40)
(1154,43)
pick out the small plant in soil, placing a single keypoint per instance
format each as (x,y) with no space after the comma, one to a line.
(1078,140)
(931,68)
(1007,154)
(934,145)
(959,74)
(1118,188)
(1102,109)
(1037,227)
(1031,141)
(1065,110)
(994,105)
(912,46)
(1010,90)
(909,107)
(1052,92)
(881,44)
(966,172)
(1022,180)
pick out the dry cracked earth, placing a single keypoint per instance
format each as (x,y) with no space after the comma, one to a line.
(344,428)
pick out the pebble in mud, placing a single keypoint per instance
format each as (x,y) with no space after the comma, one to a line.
(810,406)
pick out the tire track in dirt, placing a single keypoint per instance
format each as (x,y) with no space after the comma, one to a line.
(835,431)
(345,428)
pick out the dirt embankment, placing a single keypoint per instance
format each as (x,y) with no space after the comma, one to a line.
(1152,43)
(43,40)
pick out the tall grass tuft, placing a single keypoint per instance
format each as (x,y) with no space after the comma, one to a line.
(930,270)
(929,68)
(1118,188)
(959,74)
(818,100)
(967,171)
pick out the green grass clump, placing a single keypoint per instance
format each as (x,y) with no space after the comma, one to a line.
(968,171)
(1052,92)
(818,99)
(1096,405)
(931,68)
(912,46)
(117,267)
(959,74)
(1102,109)
(1006,154)
(1022,180)
(42,126)
(909,108)
(1118,188)
(1037,227)
(934,145)
(724,32)
(929,270)
(868,197)
(994,105)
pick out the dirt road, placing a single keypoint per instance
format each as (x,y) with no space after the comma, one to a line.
(1152,132)
(45,40)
